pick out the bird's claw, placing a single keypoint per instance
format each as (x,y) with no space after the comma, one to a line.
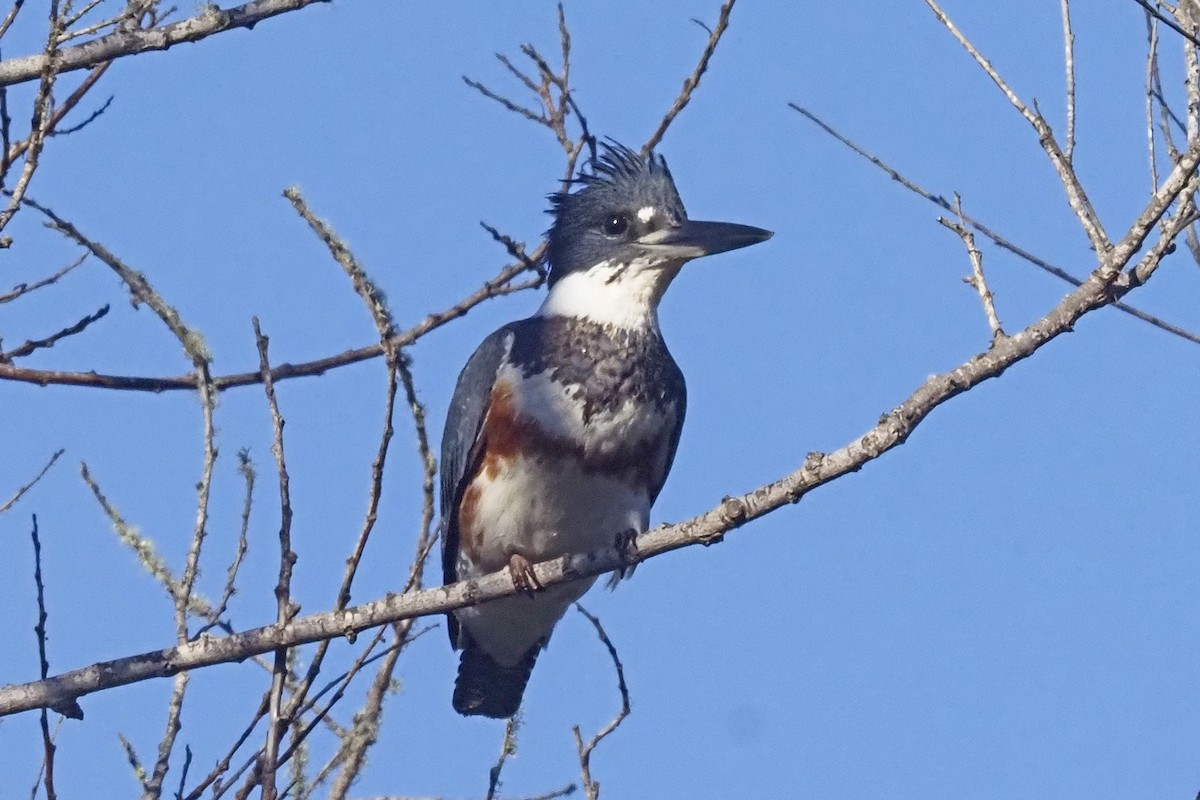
(627,552)
(523,577)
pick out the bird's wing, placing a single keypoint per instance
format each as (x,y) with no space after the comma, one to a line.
(659,476)
(461,440)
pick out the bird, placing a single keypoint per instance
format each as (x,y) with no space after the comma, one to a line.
(563,426)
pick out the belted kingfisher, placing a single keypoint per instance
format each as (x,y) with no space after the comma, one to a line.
(563,426)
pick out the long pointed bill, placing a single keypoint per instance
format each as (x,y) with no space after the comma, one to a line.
(695,238)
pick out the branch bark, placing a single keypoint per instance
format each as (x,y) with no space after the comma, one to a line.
(121,43)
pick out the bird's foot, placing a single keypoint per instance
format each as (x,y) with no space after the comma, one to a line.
(522,574)
(627,552)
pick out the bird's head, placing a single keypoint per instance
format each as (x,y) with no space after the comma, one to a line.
(626,223)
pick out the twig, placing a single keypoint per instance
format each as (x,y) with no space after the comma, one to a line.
(976,279)
(591,786)
(37,780)
(246,469)
(376,303)
(60,112)
(508,747)
(40,631)
(499,285)
(142,547)
(1151,69)
(1076,196)
(135,763)
(1069,51)
(1000,241)
(12,501)
(32,345)
(10,16)
(365,733)
(39,125)
(1170,23)
(183,773)
(140,291)
(516,250)
(693,80)
(366,288)
(25,288)
(283,589)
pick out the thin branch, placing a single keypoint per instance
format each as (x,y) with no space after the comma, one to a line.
(32,345)
(140,291)
(135,763)
(1151,70)
(508,747)
(60,112)
(590,785)
(12,501)
(246,470)
(366,288)
(976,279)
(40,124)
(10,16)
(1166,20)
(499,285)
(1000,241)
(39,630)
(277,724)
(22,289)
(693,80)
(118,44)
(1076,196)
(1106,284)
(1069,53)
(142,547)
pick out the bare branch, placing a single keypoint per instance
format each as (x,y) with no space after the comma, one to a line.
(1001,241)
(40,124)
(283,589)
(11,16)
(508,747)
(1069,51)
(22,289)
(590,785)
(126,42)
(366,288)
(62,110)
(246,469)
(1151,71)
(12,501)
(39,630)
(1166,20)
(1076,196)
(499,285)
(32,345)
(976,279)
(693,80)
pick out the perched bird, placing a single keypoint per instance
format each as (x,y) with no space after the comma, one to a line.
(563,426)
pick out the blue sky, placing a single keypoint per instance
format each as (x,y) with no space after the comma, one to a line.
(1003,607)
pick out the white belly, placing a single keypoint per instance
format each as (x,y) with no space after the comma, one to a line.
(541,508)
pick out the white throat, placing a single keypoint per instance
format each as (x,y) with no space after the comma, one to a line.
(623,295)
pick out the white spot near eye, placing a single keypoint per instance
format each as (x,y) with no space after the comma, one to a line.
(646,213)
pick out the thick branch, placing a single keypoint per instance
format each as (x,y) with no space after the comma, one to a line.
(122,42)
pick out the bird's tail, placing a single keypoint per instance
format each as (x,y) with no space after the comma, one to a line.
(487,688)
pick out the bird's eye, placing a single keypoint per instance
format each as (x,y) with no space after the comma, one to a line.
(615,225)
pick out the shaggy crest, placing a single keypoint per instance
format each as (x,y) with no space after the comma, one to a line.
(619,181)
